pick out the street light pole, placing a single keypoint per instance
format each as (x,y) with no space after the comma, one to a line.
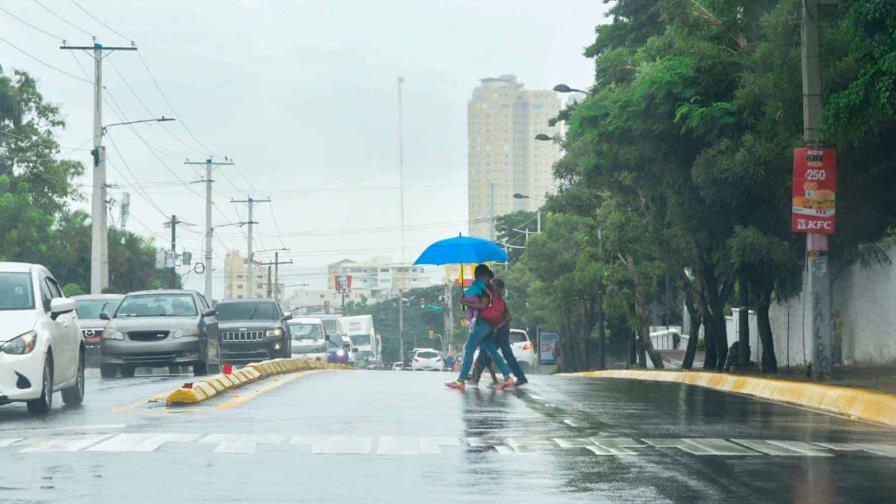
(209,230)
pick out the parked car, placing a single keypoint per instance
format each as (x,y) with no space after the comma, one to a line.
(549,343)
(427,359)
(252,330)
(160,328)
(41,349)
(88,308)
(397,366)
(523,349)
(309,339)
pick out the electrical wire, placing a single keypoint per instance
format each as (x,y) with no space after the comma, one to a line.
(85,11)
(42,62)
(66,21)
(26,23)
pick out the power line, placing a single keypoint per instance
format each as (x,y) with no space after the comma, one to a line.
(100,22)
(42,62)
(26,23)
(66,21)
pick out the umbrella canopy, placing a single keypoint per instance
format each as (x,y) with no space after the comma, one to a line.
(462,250)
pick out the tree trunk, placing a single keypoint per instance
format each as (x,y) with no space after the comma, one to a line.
(601,340)
(696,314)
(743,322)
(769,361)
(721,338)
(710,352)
(643,315)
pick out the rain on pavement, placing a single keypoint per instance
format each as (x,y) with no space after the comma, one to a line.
(397,437)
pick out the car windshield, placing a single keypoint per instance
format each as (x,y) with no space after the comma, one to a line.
(157,305)
(91,308)
(427,354)
(306,331)
(362,339)
(15,291)
(332,326)
(517,337)
(248,310)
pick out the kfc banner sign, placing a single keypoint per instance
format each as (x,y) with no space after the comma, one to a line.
(814,190)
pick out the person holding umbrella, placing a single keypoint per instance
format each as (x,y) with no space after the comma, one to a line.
(477,298)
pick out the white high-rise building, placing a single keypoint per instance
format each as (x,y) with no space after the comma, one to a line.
(503,156)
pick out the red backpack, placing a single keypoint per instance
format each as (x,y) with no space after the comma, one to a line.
(494,313)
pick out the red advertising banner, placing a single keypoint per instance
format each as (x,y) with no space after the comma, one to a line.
(814,190)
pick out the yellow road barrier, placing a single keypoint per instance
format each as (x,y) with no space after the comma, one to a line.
(856,403)
(206,388)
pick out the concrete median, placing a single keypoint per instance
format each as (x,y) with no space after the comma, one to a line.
(206,388)
(856,403)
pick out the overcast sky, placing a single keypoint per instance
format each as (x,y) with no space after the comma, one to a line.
(302,95)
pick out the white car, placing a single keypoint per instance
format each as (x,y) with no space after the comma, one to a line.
(398,366)
(41,348)
(309,339)
(427,359)
(523,349)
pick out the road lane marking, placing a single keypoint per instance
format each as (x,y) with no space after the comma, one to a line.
(487,443)
(883,450)
(601,446)
(240,398)
(345,445)
(140,442)
(61,443)
(433,445)
(398,445)
(67,428)
(529,446)
(784,448)
(572,422)
(316,443)
(4,442)
(702,446)
(240,443)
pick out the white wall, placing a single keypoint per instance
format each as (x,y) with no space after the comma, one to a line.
(864,317)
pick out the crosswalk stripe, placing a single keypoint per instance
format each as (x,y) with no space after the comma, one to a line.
(140,442)
(240,443)
(702,446)
(60,443)
(875,448)
(784,448)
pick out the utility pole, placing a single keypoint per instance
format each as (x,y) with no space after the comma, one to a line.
(209,230)
(818,286)
(172,223)
(125,210)
(99,231)
(449,316)
(276,279)
(401,200)
(250,266)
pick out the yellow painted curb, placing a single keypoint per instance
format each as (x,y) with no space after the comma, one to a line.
(211,386)
(851,402)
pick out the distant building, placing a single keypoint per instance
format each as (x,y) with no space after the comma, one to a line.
(313,301)
(503,156)
(236,279)
(381,278)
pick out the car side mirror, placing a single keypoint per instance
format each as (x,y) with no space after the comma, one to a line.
(286,317)
(58,306)
(105,316)
(326,337)
(211,312)
(347,346)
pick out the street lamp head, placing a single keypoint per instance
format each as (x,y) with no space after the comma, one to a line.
(562,88)
(543,137)
(519,196)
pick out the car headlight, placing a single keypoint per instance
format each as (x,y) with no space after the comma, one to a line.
(190,331)
(21,344)
(340,352)
(112,333)
(274,332)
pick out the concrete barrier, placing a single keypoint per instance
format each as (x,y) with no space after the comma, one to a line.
(856,403)
(206,388)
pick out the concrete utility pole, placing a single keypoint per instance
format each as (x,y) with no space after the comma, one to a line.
(401,202)
(99,231)
(275,293)
(818,286)
(125,210)
(172,223)
(209,230)
(250,267)
(449,316)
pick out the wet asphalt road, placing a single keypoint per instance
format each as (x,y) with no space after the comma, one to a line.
(383,436)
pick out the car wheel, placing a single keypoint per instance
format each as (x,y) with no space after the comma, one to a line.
(74,396)
(43,404)
(200,369)
(108,371)
(128,371)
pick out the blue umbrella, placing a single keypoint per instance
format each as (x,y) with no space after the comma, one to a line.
(462,250)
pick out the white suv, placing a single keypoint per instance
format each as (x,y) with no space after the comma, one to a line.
(523,349)
(41,349)
(427,359)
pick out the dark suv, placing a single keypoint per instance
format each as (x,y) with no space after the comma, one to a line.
(160,328)
(252,330)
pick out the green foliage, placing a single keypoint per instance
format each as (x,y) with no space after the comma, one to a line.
(72,289)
